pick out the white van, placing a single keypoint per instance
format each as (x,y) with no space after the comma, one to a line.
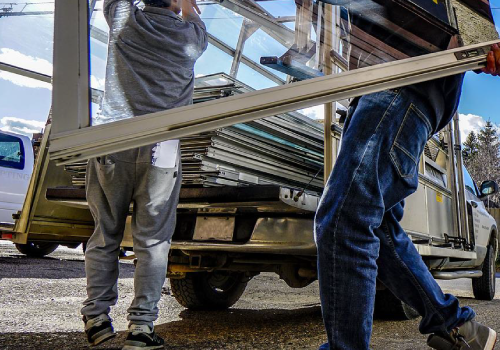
(16,167)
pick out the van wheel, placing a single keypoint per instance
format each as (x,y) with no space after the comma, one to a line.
(484,286)
(37,249)
(209,290)
(389,307)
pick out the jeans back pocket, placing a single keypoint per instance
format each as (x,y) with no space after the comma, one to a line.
(410,141)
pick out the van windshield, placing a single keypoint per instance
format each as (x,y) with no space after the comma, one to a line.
(11,152)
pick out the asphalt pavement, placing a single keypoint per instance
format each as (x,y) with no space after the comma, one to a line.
(40,301)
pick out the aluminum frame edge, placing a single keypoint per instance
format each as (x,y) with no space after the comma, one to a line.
(90,142)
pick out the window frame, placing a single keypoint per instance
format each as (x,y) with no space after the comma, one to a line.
(22,157)
(472,190)
(73,139)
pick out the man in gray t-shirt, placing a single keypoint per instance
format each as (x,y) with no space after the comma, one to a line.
(150,68)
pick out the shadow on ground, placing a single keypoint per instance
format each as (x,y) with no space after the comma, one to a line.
(231,329)
(268,329)
(20,266)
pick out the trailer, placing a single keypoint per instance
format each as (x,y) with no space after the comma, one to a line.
(247,205)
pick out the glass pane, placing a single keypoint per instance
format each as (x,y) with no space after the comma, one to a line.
(28,49)
(256,44)
(268,43)
(213,61)
(222,22)
(469,183)
(26,41)
(99,31)
(285,150)
(254,78)
(11,152)
(18,116)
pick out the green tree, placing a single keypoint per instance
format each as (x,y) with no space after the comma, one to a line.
(470,151)
(482,155)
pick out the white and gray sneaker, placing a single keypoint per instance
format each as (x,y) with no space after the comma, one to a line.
(98,329)
(141,337)
(469,336)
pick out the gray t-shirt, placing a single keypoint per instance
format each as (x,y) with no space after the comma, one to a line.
(151,57)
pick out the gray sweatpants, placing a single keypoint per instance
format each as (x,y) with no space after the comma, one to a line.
(112,183)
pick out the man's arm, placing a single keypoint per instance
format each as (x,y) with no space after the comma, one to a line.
(116,10)
(190,11)
(493,61)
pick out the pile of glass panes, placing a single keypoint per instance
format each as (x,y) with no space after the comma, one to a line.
(255,44)
(285,150)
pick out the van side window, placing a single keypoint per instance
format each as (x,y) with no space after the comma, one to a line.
(11,152)
(469,183)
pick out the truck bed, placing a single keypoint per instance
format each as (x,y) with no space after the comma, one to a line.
(261,198)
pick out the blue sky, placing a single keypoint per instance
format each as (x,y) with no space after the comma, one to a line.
(480,100)
(26,41)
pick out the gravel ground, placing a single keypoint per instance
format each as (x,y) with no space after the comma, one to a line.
(40,301)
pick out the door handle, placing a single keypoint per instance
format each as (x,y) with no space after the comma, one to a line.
(474,204)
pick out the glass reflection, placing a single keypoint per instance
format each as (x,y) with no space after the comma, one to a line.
(274,42)
(26,41)
(25,48)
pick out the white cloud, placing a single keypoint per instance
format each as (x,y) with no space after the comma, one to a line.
(468,123)
(316,112)
(24,81)
(21,126)
(19,59)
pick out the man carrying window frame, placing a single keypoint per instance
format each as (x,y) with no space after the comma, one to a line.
(357,228)
(150,68)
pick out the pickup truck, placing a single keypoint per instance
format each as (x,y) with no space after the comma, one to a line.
(227,235)
(16,167)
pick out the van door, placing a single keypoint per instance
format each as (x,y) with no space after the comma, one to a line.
(477,214)
(16,165)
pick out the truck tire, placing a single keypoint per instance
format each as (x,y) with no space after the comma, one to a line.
(389,307)
(484,286)
(209,290)
(37,249)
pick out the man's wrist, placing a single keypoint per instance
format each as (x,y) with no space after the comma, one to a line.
(191,16)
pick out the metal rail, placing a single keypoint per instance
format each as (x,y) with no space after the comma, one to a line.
(67,147)
(25,72)
(462,200)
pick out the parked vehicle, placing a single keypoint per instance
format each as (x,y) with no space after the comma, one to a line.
(226,235)
(16,166)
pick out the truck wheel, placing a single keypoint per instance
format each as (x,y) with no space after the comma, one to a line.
(484,286)
(37,249)
(389,307)
(209,290)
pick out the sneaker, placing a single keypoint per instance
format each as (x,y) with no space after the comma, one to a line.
(469,336)
(98,329)
(141,337)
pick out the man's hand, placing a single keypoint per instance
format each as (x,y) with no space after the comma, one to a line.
(493,61)
(189,7)
(195,6)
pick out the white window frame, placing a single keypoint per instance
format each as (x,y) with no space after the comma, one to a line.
(71,80)
(73,139)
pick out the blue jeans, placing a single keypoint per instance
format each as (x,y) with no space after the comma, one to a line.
(357,228)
